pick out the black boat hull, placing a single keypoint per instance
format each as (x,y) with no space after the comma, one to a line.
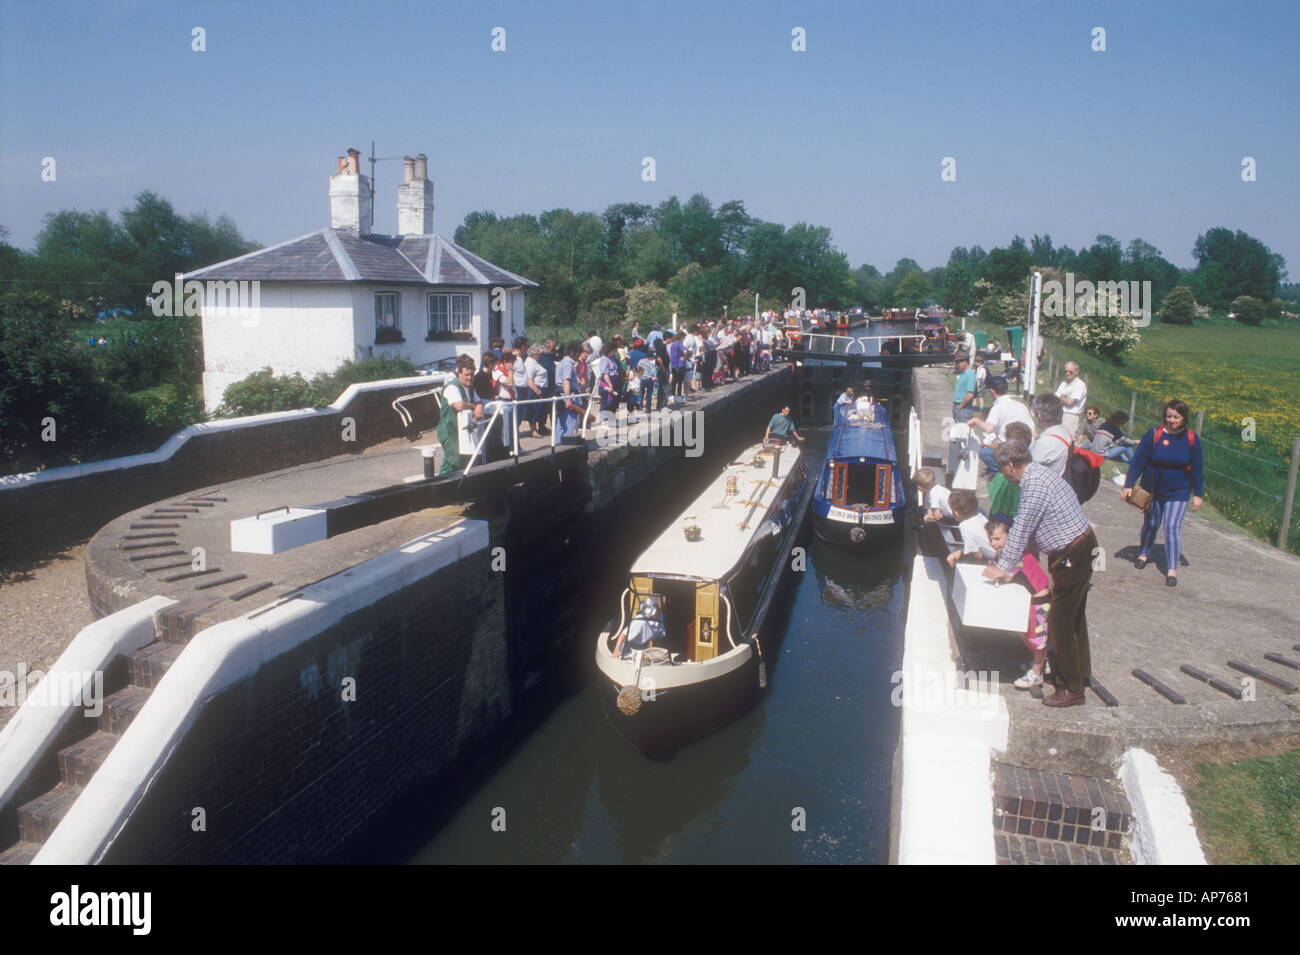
(681,715)
(873,536)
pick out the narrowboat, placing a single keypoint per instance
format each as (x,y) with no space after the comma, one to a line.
(859,499)
(687,651)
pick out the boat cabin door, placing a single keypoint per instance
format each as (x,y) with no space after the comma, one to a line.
(705,627)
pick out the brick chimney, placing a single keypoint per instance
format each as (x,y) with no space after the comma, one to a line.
(350,202)
(415,198)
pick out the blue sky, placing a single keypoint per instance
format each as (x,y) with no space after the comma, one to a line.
(1145,139)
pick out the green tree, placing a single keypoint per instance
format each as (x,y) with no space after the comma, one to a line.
(647,257)
(645,303)
(54,408)
(959,288)
(734,224)
(1179,307)
(1102,261)
(1008,268)
(1246,266)
(913,290)
(700,291)
(868,287)
(818,267)
(768,268)
(619,217)
(1248,310)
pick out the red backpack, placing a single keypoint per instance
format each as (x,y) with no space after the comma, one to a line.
(1082,470)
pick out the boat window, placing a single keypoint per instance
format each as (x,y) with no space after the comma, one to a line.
(883,485)
(839,482)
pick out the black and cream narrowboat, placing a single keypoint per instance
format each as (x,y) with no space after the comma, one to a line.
(685,654)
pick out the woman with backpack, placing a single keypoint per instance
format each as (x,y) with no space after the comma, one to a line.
(1168,464)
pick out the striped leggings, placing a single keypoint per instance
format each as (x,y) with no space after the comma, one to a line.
(1170,513)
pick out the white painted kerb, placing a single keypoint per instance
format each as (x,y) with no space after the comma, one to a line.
(32,730)
(946,740)
(1163,833)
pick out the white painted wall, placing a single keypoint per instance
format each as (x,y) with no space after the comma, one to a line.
(298,327)
(515,314)
(314,327)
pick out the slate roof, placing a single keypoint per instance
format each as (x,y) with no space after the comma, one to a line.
(338,255)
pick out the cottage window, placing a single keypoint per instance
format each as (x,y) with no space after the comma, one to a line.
(449,314)
(388,319)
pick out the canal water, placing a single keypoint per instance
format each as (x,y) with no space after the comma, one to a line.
(803,777)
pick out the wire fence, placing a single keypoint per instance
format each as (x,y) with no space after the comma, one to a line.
(1248,489)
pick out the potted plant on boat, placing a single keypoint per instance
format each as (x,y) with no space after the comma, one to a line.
(692,532)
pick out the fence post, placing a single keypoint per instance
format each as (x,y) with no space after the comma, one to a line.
(1200,422)
(1132,409)
(1284,532)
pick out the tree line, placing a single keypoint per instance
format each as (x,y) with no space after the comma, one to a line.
(632,262)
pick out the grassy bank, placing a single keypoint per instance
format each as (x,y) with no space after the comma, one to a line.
(1248,812)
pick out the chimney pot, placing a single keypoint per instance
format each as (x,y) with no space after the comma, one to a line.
(409,163)
(421,166)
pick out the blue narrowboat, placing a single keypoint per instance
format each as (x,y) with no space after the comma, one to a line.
(859,499)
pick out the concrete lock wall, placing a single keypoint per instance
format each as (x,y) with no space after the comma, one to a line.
(73,502)
(280,765)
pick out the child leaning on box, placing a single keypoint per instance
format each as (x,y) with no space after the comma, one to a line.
(1029,574)
(966,509)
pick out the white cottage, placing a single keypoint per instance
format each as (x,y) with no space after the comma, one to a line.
(345,292)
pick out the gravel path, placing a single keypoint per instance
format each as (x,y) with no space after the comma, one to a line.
(41,610)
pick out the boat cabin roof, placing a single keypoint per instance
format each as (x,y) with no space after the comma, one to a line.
(856,438)
(722,539)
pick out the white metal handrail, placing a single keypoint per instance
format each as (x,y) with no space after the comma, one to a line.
(861,341)
(731,618)
(833,338)
(501,407)
(401,409)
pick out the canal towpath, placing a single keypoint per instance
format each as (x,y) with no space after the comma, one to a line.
(1234,602)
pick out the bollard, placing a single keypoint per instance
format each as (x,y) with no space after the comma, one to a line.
(1132,409)
(430,455)
(1200,421)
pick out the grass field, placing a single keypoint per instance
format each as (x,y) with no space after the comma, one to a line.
(1248,813)
(1239,376)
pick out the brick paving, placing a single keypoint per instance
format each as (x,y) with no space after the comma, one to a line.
(1044,818)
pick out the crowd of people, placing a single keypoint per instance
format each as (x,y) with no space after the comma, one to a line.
(510,387)
(1036,513)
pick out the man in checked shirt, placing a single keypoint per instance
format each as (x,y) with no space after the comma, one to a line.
(1050,518)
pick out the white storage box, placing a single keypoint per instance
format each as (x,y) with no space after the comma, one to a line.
(274,531)
(981,603)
